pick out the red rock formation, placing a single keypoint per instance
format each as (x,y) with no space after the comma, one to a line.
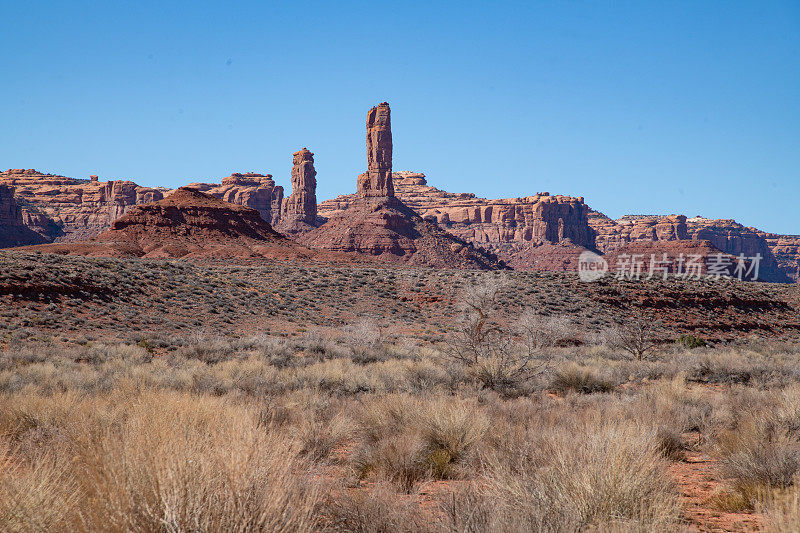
(62,209)
(191,224)
(515,228)
(735,239)
(377,181)
(13,231)
(611,234)
(683,257)
(786,249)
(377,223)
(250,189)
(299,210)
(727,236)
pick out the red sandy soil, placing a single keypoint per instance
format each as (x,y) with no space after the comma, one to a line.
(698,480)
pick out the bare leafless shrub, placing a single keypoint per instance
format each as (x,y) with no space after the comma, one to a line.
(407,441)
(482,344)
(636,335)
(320,436)
(758,452)
(539,331)
(471,510)
(365,340)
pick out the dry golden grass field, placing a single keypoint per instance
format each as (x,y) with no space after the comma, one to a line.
(175,396)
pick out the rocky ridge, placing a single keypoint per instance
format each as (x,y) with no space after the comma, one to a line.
(250,189)
(59,208)
(727,236)
(540,232)
(188,224)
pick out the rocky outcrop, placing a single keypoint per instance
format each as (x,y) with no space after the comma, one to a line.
(727,236)
(13,231)
(533,232)
(189,224)
(612,234)
(375,222)
(377,180)
(690,258)
(786,249)
(299,210)
(735,239)
(59,208)
(250,189)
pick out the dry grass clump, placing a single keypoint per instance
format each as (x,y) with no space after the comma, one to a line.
(408,440)
(35,495)
(373,511)
(589,474)
(573,378)
(782,510)
(155,461)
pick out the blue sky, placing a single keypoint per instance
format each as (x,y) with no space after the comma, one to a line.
(640,107)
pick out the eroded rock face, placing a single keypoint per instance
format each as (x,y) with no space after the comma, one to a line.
(688,257)
(612,234)
(735,239)
(786,249)
(299,210)
(250,189)
(187,223)
(375,222)
(377,181)
(521,231)
(725,235)
(62,209)
(13,231)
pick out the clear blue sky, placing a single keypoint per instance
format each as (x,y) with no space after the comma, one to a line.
(641,107)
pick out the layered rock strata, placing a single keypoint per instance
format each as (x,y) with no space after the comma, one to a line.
(61,209)
(375,222)
(725,235)
(299,209)
(250,189)
(189,224)
(539,232)
(377,180)
(13,231)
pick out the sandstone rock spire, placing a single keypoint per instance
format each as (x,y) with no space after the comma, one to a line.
(377,181)
(300,207)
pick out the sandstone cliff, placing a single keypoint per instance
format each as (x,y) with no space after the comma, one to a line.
(727,236)
(13,231)
(61,209)
(191,224)
(533,232)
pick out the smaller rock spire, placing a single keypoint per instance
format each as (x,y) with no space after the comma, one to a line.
(300,207)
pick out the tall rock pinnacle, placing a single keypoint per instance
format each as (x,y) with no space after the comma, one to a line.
(301,206)
(377,181)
